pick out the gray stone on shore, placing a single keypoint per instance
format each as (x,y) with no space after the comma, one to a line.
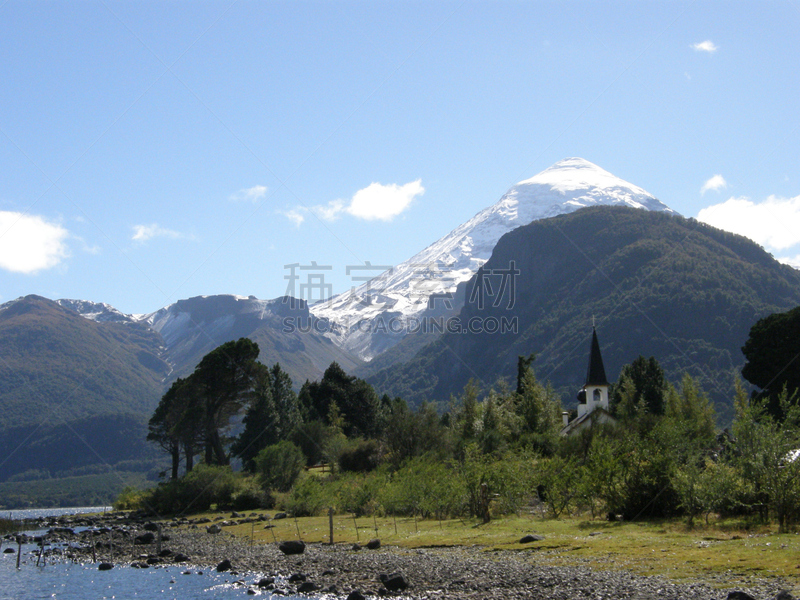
(356,595)
(783,595)
(307,587)
(213,529)
(738,595)
(374,544)
(144,539)
(396,582)
(292,547)
(223,566)
(104,566)
(531,537)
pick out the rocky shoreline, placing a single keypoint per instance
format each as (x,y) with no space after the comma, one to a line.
(343,571)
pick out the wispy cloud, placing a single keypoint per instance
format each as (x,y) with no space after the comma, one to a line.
(295,215)
(773,223)
(376,202)
(95,249)
(707,46)
(144,233)
(329,211)
(29,243)
(253,194)
(716,183)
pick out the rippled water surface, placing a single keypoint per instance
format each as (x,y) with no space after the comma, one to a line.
(67,581)
(36,513)
(60,579)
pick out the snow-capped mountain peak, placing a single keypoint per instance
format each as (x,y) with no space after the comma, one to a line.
(402,292)
(576,173)
(96,311)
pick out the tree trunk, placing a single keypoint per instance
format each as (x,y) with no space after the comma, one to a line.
(219,451)
(209,452)
(176,460)
(189,455)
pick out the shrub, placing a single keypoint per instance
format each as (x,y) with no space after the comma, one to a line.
(250,496)
(359,493)
(131,498)
(205,486)
(424,486)
(307,498)
(362,458)
(279,465)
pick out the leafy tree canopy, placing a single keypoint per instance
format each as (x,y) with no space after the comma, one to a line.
(773,358)
(353,398)
(641,386)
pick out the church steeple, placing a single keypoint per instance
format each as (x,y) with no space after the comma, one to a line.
(596,373)
(593,396)
(594,393)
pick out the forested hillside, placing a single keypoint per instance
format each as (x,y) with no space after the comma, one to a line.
(653,283)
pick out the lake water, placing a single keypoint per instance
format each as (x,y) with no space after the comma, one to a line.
(35,513)
(64,580)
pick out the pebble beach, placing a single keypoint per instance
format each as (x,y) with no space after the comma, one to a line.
(342,570)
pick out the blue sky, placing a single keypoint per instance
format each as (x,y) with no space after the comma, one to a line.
(152,151)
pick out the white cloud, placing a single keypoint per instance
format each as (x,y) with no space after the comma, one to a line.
(29,244)
(707,46)
(143,233)
(253,194)
(384,202)
(773,223)
(329,211)
(86,247)
(376,202)
(716,183)
(295,215)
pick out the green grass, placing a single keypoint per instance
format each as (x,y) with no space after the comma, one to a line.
(731,551)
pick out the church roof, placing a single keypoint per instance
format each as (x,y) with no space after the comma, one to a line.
(598,415)
(596,373)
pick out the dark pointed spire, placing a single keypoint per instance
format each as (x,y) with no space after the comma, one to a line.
(596,374)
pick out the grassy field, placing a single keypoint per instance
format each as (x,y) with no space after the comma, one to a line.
(727,551)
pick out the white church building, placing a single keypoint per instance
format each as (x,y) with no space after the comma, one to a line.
(593,396)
